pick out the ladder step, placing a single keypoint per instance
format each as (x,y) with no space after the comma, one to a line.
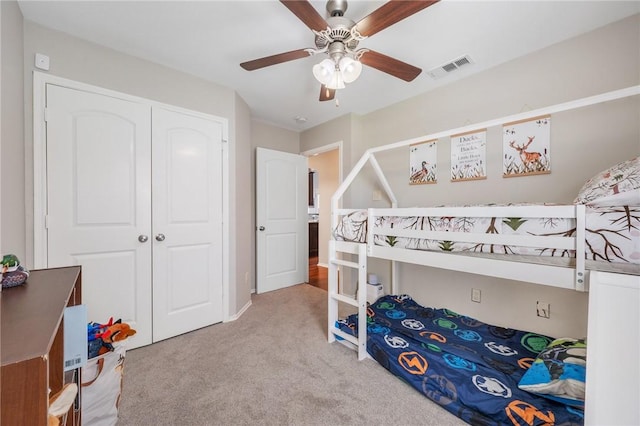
(346,247)
(346,299)
(345,336)
(353,265)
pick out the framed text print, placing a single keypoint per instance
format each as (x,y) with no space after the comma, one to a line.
(422,163)
(525,146)
(469,156)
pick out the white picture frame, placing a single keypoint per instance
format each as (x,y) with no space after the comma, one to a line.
(469,156)
(526,147)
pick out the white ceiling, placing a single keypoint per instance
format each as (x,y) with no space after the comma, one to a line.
(210,39)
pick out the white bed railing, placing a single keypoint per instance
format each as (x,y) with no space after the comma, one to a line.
(573,278)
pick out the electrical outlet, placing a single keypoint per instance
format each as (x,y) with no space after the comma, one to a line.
(543,309)
(475,295)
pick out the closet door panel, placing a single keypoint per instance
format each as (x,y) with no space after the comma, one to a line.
(99,201)
(187,223)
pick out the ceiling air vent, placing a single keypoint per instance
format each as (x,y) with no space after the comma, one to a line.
(449,67)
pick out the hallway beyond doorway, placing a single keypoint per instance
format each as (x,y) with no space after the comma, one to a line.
(317,274)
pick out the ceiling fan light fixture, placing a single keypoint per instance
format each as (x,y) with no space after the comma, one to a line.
(324,71)
(336,82)
(350,69)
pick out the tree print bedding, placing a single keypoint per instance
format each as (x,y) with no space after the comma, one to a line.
(612,233)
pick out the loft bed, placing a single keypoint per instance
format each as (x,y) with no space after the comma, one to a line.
(468,238)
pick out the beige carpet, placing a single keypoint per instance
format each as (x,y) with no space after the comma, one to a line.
(272,366)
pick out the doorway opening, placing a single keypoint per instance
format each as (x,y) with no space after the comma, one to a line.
(325,167)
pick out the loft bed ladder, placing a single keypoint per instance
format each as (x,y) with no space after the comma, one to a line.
(337,249)
(336,297)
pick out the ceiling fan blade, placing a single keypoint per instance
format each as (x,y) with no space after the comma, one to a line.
(390,65)
(306,13)
(390,13)
(274,59)
(326,94)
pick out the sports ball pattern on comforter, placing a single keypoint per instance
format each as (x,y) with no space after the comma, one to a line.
(470,368)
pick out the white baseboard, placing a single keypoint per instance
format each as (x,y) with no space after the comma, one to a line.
(240,312)
(323,265)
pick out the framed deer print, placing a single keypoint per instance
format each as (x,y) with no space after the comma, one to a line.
(526,147)
(468,156)
(423,159)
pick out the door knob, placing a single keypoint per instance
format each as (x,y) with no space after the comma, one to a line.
(160,237)
(143,238)
(261,228)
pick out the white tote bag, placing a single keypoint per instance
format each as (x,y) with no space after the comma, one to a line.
(101,388)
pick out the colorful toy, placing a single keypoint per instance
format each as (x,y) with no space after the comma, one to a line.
(11,272)
(102,336)
(115,333)
(10,262)
(94,330)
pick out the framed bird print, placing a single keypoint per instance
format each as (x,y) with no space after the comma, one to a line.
(468,156)
(423,159)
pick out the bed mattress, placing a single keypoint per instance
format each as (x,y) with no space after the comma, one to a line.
(612,235)
(470,368)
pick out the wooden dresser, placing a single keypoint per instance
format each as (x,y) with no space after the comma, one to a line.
(32,345)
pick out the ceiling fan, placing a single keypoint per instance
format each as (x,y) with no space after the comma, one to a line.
(338,37)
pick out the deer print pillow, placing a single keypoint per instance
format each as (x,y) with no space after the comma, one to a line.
(617,186)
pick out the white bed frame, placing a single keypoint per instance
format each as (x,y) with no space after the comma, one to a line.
(574,277)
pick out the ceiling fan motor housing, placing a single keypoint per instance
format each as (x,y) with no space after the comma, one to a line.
(339,30)
(337,7)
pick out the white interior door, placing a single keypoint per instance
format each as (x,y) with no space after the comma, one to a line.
(281,219)
(187,223)
(99,202)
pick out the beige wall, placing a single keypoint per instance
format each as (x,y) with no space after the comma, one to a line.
(583,142)
(12,215)
(342,129)
(326,164)
(90,63)
(243,217)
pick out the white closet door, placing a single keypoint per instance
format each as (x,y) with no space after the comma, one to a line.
(99,202)
(187,223)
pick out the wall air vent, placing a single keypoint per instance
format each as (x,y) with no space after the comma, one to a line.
(449,67)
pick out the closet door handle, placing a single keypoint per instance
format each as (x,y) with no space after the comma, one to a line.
(160,237)
(261,228)
(143,238)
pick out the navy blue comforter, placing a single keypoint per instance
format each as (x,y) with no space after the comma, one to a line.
(470,368)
